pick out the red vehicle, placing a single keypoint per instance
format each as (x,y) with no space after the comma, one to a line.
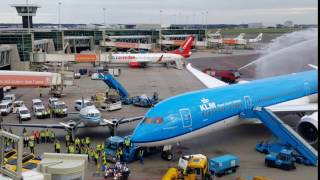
(229,76)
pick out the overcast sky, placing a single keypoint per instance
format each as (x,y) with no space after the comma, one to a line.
(269,12)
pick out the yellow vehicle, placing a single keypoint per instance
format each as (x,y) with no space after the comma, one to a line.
(29,161)
(191,167)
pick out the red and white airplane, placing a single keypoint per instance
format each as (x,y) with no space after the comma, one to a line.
(239,40)
(141,59)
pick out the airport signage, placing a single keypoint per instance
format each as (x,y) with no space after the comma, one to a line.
(15,80)
(85,58)
(126,45)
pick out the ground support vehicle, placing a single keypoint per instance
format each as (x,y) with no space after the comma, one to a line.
(283,160)
(223,165)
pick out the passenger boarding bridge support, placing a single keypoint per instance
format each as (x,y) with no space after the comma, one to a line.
(16,140)
(285,133)
(79,43)
(4,56)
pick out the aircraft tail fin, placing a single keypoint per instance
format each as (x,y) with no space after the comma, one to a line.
(185,49)
(241,36)
(259,37)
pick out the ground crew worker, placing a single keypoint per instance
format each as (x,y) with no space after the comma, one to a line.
(98,148)
(57,147)
(77,143)
(47,133)
(89,151)
(37,134)
(52,136)
(43,136)
(91,154)
(47,113)
(25,135)
(31,145)
(119,153)
(104,158)
(96,157)
(127,144)
(26,141)
(141,152)
(67,138)
(24,131)
(87,141)
(83,142)
(71,149)
(102,147)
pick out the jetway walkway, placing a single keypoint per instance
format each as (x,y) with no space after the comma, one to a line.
(286,134)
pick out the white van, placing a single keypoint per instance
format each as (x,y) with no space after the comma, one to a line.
(9,97)
(52,100)
(36,102)
(78,104)
(24,114)
(6,107)
(17,105)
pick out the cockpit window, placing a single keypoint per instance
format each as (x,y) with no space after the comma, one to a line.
(157,120)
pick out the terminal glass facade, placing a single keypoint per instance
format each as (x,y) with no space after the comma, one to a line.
(24,42)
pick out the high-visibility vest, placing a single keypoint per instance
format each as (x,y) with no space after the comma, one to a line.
(77,141)
(58,146)
(31,143)
(127,142)
(71,149)
(98,147)
(141,153)
(47,134)
(102,146)
(96,155)
(42,134)
(52,134)
(87,140)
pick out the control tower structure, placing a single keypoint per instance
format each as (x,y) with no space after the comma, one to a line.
(27,11)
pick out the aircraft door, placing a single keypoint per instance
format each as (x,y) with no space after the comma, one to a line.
(307,88)
(186,117)
(247,102)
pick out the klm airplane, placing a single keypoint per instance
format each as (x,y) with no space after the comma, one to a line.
(193,114)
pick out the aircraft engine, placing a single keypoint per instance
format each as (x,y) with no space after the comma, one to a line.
(308,128)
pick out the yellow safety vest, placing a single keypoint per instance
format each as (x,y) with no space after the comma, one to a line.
(58,145)
(31,143)
(71,149)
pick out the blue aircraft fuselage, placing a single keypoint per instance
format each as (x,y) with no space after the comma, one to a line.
(175,118)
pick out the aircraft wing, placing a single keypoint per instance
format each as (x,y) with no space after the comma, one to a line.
(294,108)
(208,81)
(116,122)
(61,125)
(55,126)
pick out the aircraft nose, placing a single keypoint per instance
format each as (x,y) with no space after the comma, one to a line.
(139,135)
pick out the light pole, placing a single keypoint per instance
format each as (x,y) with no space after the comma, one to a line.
(160,33)
(59,15)
(206,19)
(104,17)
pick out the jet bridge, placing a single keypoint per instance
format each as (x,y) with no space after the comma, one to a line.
(286,134)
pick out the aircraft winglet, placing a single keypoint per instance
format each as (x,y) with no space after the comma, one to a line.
(313,66)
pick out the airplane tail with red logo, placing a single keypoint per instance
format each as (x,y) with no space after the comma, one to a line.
(185,48)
